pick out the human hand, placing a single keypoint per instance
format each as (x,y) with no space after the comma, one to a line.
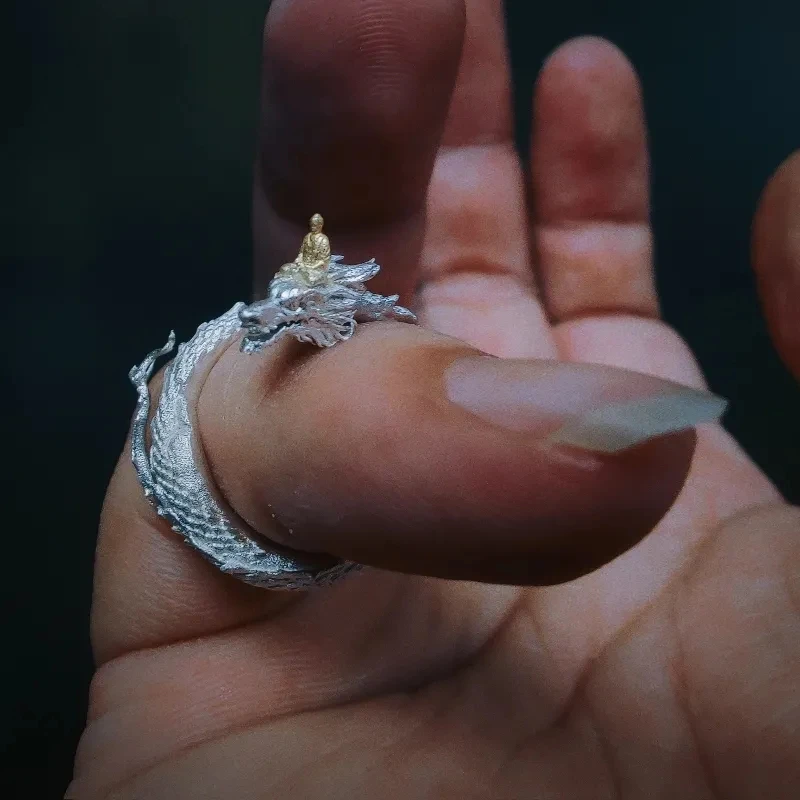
(667,671)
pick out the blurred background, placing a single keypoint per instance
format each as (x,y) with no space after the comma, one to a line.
(127,162)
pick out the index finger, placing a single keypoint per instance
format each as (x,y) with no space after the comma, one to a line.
(355,96)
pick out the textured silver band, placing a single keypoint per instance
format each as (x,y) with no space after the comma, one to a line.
(322,310)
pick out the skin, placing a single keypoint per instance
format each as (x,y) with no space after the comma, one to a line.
(667,671)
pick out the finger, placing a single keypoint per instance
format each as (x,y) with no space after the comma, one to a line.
(404,461)
(590,184)
(354,101)
(776,257)
(476,279)
(420,457)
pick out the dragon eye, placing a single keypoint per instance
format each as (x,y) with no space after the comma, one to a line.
(291,303)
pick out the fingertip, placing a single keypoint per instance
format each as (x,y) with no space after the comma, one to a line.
(776,258)
(588,55)
(354,101)
(355,97)
(589,140)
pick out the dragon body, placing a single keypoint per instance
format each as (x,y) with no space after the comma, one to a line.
(172,470)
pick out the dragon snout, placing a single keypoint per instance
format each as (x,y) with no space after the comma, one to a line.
(259,315)
(248,317)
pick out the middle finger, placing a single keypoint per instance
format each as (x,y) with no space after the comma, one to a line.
(477,281)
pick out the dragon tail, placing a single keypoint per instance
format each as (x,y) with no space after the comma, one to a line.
(139,377)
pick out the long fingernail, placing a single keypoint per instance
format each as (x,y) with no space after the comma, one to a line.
(595,408)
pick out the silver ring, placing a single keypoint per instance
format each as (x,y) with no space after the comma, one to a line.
(315,299)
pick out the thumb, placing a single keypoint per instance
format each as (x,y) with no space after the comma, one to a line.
(410,451)
(402,449)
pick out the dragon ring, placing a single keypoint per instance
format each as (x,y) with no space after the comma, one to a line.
(315,299)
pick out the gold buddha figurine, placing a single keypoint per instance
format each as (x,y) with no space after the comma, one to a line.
(311,264)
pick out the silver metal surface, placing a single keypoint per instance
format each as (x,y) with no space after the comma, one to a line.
(322,310)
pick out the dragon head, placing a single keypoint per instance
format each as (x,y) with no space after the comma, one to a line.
(307,316)
(322,313)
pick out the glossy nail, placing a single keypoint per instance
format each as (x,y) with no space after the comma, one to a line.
(592,407)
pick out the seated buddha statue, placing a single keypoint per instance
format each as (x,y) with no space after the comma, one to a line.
(311,264)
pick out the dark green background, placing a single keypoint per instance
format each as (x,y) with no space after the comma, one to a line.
(127,163)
